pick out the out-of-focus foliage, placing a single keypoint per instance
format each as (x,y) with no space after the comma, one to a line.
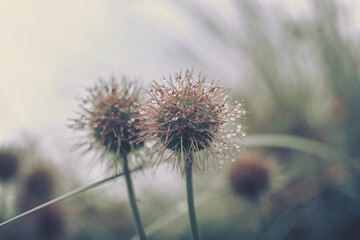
(302,78)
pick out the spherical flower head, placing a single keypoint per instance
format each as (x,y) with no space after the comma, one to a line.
(40,184)
(191,118)
(109,117)
(249,177)
(37,188)
(9,164)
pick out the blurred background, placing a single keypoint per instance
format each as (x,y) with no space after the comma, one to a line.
(294,62)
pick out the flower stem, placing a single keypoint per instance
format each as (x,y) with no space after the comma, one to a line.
(67,195)
(132,200)
(190,200)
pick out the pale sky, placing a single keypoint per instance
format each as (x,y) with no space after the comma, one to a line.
(50,50)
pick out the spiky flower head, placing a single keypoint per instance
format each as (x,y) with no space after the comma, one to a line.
(109,114)
(192,119)
(9,164)
(249,176)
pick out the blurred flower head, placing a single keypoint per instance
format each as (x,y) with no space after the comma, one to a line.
(108,117)
(40,183)
(191,118)
(50,223)
(38,187)
(9,164)
(249,176)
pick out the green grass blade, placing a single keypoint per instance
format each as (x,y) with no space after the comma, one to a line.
(296,143)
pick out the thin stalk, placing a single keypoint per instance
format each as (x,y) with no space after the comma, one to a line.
(67,195)
(190,200)
(132,200)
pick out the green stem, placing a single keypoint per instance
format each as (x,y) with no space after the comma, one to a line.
(132,200)
(67,195)
(190,200)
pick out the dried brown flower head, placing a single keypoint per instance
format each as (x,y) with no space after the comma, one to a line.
(50,223)
(9,164)
(40,183)
(191,118)
(37,188)
(109,115)
(249,176)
